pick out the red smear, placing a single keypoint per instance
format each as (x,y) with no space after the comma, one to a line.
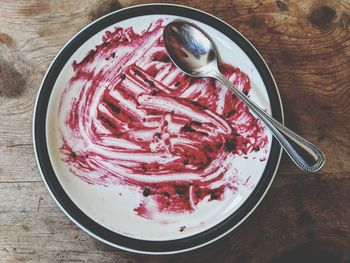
(181,128)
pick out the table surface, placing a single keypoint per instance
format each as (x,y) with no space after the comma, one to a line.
(303,218)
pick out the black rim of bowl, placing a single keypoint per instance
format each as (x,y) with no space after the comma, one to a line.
(61,197)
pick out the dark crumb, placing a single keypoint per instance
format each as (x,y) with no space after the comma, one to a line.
(104,44)
(73,154)
(182,228)
(108,122)
(218,146)
(187,128)
(207,148)
(167,203)
(256,148)
(144,119)
(146,192)
(179,192)
(213,196)
(230,145)
(158,135)
(137,72)
(89,56)
(185,162)
(233,96)
(165,123)
(195,103)
(198,193)
(166,194)
(245,143)
(122,76)
(177,84)
(150,82)
(125,39)
(230,114)
(154,93)
(235,134)
(114,108)
(113,55)
(154,112)
(245,92)
(196,123)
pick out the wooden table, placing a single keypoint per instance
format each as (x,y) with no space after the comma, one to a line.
(307,46)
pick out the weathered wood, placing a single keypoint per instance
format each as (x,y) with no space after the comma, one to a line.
(302,218)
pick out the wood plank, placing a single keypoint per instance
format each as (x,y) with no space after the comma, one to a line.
(303,217)
(18,164)
(306,216)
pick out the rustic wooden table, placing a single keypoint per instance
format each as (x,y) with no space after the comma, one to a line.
(303,218)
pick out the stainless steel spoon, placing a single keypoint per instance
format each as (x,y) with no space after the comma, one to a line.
(193,52)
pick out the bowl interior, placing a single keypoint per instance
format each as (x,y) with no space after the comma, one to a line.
(113,206)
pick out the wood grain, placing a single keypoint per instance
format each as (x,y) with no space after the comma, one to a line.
(303,218)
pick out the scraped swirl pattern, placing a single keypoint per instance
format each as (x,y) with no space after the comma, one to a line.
(134,119)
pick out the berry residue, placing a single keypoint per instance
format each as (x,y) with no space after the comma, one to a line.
(136,120)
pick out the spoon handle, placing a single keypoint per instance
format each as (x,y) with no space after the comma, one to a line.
(307,156)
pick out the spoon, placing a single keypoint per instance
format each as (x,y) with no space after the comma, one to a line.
(193,52)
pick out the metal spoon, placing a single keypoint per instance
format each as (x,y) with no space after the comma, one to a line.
(193,52)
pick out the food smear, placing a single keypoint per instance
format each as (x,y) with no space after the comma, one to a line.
(130,117)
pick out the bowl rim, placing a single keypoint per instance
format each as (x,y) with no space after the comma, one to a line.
(66,204)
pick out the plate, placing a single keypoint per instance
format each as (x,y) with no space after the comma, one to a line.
(141,156)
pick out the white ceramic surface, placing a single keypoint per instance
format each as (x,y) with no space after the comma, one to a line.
(115,212)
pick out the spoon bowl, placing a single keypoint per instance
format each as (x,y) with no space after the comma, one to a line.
(190,49)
